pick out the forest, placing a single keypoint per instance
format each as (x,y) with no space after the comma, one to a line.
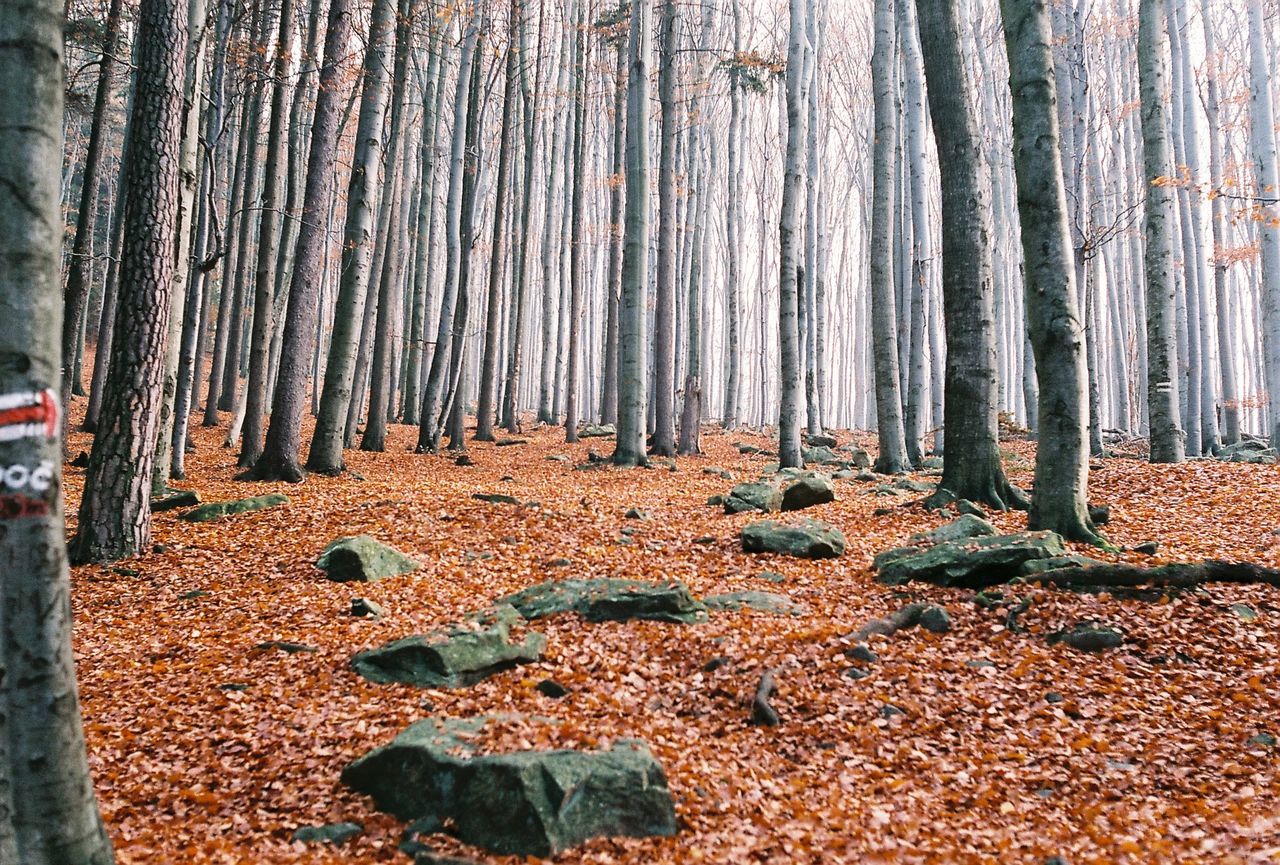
(639,431)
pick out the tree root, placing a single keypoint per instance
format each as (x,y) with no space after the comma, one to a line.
(1134,579)
(762,712)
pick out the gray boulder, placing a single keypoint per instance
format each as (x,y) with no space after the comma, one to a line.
(604,600)
(972,563)
(592,431)
(764,602)
(361,559)
(332,833)
(527,803)
(806,491)
(218,510)
(1247,451)
(1091,637)
(961,528)
(454,657)
(754,496)
(806,539)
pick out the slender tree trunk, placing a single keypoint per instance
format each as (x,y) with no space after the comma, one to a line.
(77,291)
(632,330)
(1060,502)
(1162,386)
(892,457)
(664,310)
(434,393)
(791,360)
(486,408)
(325,455)
(1267,174)
(574,372)
(280,459)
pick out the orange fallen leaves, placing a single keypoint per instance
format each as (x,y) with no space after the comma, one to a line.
(206,751)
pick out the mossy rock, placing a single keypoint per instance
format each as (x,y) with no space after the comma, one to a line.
(764,602)
(973,562)
(361,559)
(604,600)
(454,657)
(218,510)
(763,496)
(806,539)
(526,803)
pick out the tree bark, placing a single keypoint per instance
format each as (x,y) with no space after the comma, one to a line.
(971,460)
(1060,502)
(48,815)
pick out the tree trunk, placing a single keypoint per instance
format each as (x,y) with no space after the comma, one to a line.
(1162,387)
(48,815)
(632,331)
(971,461)
(791,361)
(115,511)
(1060,502)
(664,310)
(1267,183)
(892,456)
(574,371)
(325,455)
(280,459)
(77,291)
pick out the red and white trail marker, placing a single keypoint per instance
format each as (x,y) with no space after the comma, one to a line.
(33,414)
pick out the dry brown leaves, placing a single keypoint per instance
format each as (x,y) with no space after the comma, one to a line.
(1146,758)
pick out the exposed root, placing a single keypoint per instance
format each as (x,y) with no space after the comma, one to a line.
(762,712)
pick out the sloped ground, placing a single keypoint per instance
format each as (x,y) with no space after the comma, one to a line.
(1145,759)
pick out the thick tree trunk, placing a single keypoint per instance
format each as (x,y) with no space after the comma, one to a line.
(48,815)
(115,511)
(971,461)
(1060,502)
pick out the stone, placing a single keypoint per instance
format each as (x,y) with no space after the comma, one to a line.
(173,500)
(558,458)
(745,449)
(636,514)
(866,476)
(1147,548)
(332,833)
(973,563)
(361,559)
(825,441)
(858,458)
(592,431)
(935,619)
(862,653)
(716,501)
(931,463)
(1091,637)
(912,486)
(824,456)
(453,657)
(464,460)
(764,602)
(966,507)
(218,510)
(1247,451)
(527,803)
(771,577)
(510,442)
(286,646)
(1265,740)
(756,496)
(1039,566)
(496,498)
(1100,515)
(961,528)
(807,491)
(1244,612)
(551,688)
(806,539)
(603,600)
(718,472)
(366,607)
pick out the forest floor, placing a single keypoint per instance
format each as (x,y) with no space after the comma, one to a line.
(1147,757)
